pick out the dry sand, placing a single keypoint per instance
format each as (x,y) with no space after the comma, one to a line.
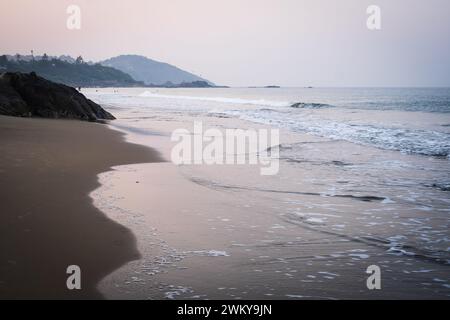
(47,220)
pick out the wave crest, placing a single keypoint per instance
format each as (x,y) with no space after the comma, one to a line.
(257,102)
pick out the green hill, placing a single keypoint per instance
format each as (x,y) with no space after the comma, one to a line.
(78,74)
(153,73)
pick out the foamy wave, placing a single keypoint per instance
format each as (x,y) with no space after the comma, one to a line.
(415,141)
(258,102)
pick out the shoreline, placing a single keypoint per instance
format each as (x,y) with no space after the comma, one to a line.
(47,170)
(210,232)
(228,236)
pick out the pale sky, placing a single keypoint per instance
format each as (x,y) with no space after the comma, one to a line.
(248,42)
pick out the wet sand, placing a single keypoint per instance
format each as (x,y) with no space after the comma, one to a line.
(230,233)
(47,220)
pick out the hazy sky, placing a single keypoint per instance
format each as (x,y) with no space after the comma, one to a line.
(248,42)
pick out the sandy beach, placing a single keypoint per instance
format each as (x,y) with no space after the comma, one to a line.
(48,222)
(108,199)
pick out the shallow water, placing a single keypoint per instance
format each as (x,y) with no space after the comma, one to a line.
(343,199)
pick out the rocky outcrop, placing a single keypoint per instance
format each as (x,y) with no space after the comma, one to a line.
(312,105)
(28,95)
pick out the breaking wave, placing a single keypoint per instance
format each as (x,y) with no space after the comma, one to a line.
(257,102)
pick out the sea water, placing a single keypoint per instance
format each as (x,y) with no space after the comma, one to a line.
(409,120)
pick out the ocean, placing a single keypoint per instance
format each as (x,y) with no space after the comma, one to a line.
(408,120)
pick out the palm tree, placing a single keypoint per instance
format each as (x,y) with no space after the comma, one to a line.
(3,60)
(79,60)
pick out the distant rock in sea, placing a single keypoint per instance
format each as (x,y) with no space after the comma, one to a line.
(193,84)
(303,105)
(28,95)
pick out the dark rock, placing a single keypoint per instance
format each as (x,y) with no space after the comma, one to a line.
(303,105)
(28,95)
